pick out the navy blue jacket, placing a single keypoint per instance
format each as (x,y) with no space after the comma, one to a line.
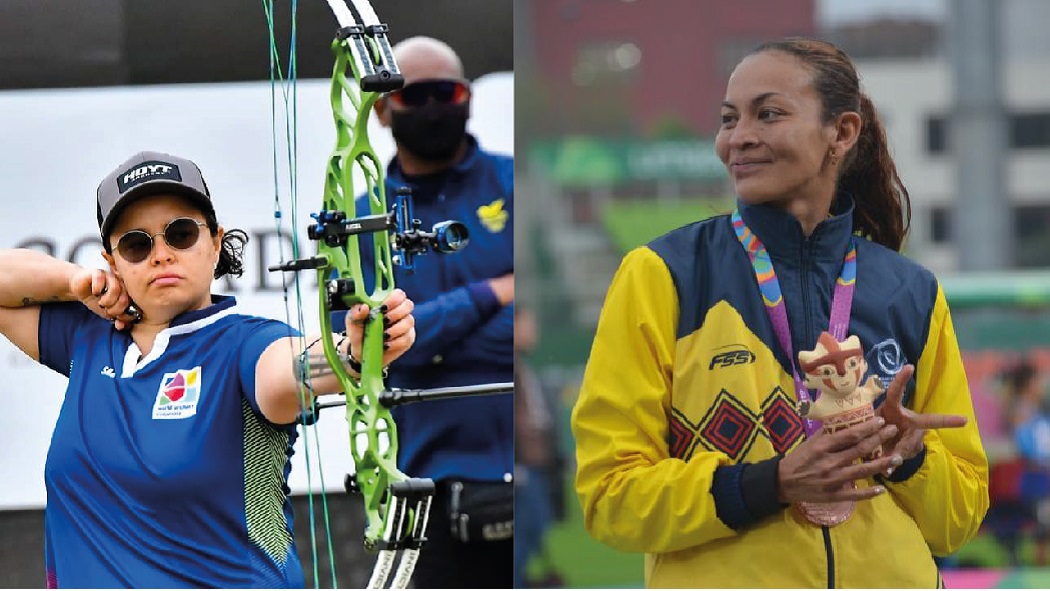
(463,335)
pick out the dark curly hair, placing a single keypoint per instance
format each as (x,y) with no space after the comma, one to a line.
(231,251)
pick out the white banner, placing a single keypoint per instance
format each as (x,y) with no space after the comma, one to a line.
(58,145)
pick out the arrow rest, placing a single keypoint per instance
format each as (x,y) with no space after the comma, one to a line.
(335,290)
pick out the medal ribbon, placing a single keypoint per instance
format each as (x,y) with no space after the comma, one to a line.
(841,301)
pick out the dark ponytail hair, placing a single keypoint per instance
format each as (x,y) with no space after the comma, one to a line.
(882,205)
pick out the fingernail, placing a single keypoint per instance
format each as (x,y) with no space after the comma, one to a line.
(896,461)
(383,309)
(879,490)
(880,421)
(386,336)
(386,322)
(386,346)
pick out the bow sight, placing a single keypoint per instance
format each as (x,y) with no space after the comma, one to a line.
(409,240)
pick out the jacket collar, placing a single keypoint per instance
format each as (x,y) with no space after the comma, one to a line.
(782,235)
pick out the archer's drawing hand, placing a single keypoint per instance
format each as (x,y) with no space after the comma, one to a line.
(911,426)
(104,294)
(822,467)
(399,332)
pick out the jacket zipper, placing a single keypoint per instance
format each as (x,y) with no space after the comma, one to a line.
(807,255)
(807,313)
(831,556)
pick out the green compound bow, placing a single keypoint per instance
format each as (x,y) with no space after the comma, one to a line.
(396,505)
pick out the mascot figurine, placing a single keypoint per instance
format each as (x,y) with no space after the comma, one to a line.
(836,369)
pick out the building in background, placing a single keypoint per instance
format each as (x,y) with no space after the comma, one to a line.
(648,68)
(914,98)
(618,103)
(618,106)
(906,65)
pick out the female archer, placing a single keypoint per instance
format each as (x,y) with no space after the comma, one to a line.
(169,462)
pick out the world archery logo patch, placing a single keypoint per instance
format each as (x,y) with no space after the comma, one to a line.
(178,394)
(493,216)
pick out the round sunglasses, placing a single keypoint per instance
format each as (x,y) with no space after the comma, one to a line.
(443,91)
(180,233)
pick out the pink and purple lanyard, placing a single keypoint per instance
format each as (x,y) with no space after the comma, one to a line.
(841,301)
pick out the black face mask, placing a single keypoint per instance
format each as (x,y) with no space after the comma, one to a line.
(432,132)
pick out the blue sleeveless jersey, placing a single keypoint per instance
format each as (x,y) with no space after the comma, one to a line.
(161,471)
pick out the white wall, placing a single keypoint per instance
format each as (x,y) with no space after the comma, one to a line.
(57,146)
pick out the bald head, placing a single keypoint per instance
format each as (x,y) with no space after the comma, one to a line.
(423,58)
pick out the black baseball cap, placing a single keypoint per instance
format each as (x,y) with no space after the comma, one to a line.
(149,173)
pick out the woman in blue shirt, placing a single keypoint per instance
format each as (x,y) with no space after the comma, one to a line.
(169,461)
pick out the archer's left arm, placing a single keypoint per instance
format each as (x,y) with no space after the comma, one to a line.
(947,495)
(278,380)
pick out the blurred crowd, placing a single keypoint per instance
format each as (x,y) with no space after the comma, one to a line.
(1013,412)
(539,463)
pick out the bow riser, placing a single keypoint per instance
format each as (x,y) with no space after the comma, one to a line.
(396,506)
(373,434)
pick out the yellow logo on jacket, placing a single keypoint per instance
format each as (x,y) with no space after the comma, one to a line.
(493,216)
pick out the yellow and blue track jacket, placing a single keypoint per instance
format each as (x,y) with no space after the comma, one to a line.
(687,404)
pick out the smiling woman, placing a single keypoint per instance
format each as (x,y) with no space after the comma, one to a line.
(796,130)
(173,394)
(703,461)
(774,142)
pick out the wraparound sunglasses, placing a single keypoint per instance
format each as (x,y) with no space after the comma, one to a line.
(443,91)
